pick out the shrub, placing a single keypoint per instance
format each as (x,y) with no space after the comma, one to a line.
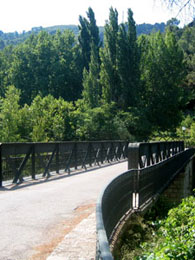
(175,239)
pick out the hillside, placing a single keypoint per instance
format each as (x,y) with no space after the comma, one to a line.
(16,38)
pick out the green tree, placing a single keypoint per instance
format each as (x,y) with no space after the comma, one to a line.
(97,123)
(162,74)
(187,43)
(6,57)
(47,64)
(66,74)
(89,33)
(91,91)
(10,116)
(51,119)
(108,74)
(128,62)
(84,41)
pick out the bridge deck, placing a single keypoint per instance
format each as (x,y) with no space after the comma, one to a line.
(36,218)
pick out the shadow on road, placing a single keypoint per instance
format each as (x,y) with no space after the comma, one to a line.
(54,177)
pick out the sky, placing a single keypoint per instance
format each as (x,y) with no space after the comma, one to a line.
(19,15)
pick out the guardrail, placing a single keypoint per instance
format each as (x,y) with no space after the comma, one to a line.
(154,166)
(20,160)
(141,155)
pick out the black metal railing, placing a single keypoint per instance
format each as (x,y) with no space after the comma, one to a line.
(145,154)
(112,204)
(21,160)
(154,166)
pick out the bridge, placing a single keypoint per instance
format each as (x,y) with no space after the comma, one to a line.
(41,214)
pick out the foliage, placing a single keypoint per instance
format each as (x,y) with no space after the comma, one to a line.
(51,119)
(175,237)
(128,244)
(187,43)
(162,72)
(119,74)
(91,85)
(144,78)
(88,35)
(128,60)
(166,231)
(146,28)
(10,118)
(109,78)
(48,65)
(46,119)
(98,123)
(186,130)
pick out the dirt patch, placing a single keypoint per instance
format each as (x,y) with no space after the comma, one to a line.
(57,233)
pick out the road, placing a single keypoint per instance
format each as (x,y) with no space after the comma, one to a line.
(35,218)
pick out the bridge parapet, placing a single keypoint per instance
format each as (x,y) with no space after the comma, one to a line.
(20,160)
(154,165)
(141,155)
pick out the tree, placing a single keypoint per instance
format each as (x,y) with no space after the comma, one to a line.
(10,116)
(162,74)
(51,119)
(84,41)
(46,64)
(99,123)
(186,42)
(93,29)
(66,74)
(91,91)
(128,62)
(6,58)
(108,74)
(89,33)
(31,66)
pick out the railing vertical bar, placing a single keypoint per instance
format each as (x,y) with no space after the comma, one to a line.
(90,151)
(1,168)
(101,153)
(75,155)
(33,162)
(57,158)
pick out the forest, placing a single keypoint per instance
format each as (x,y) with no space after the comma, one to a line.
(97,86)
(15,38)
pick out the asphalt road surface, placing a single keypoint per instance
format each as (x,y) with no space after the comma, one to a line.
(34,218)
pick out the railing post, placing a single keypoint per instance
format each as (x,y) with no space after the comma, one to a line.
(101,153)
(149,154)
(1,173)
(182,146)
(33,162)
(133,155)
(133,163)
(90,155)
(75,155)
(57,158)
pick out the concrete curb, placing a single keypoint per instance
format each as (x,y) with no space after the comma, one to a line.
(79,244)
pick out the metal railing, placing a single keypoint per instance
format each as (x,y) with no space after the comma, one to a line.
(146,154)
(21,160)
(154,166)
(112,205)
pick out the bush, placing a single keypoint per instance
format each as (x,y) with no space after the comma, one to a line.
(175,239)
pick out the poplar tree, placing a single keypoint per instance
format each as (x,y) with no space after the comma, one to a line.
(108,55)
(128,62)
(91,91)
(84,41)
(89,33)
